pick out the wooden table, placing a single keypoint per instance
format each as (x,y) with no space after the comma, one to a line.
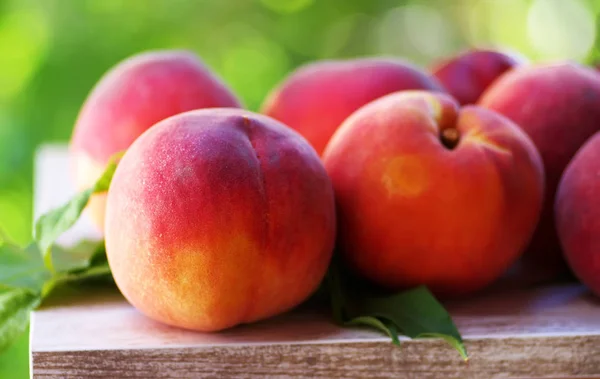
(549,332)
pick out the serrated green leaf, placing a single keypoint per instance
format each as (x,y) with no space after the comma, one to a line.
(92,264)
(29,274)
(23,268)
(25,280)
(16,305)
(414,313)
(83,261)
(53,224)
(78,257)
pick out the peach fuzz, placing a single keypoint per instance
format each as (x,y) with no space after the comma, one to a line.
(132,96)
(467,75)
(577,210)
(317,97)
(558,106)
(219,217)
(432,194)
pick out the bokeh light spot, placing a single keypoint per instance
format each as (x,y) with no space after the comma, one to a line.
(418,31)
(427,30)
(498,23)
(561,29)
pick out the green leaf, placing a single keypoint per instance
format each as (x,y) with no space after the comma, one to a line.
(415,313)
(386,327)
(29,274)
(103,183)
(393,332)
(16,305)
(78,257)
(456,343)
(53,224)
(92,272)
(23,268)
(25,280)
(85,261)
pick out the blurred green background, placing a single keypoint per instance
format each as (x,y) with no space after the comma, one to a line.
(53,51)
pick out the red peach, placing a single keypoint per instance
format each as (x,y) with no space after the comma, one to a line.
(577,210)
(316,98)
(431,194)
(558,106)
(467,75)
(219,217)
(134,95)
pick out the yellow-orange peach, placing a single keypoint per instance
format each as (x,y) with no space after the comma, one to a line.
(432,194)
(219,217)
(317,97)
(135,94)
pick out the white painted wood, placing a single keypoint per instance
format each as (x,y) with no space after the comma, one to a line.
(53,186)
(549,332)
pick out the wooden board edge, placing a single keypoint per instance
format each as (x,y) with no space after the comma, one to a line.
(572,357)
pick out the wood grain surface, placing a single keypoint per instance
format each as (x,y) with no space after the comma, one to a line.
(551,332)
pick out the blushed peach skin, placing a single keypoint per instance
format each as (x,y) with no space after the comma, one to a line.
(415,210)
(558,106)
(317,97)
(577,210)
(467,75)
(134,95)
(219,217)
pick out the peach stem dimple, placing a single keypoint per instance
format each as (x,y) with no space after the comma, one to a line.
(450,137)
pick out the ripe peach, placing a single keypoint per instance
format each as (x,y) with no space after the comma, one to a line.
(467,75)
(558,106)
(577,210)
(135,94)
(316,98)
(218,217)
(430,194)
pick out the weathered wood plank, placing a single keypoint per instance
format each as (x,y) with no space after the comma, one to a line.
(550,332)
(508,357)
